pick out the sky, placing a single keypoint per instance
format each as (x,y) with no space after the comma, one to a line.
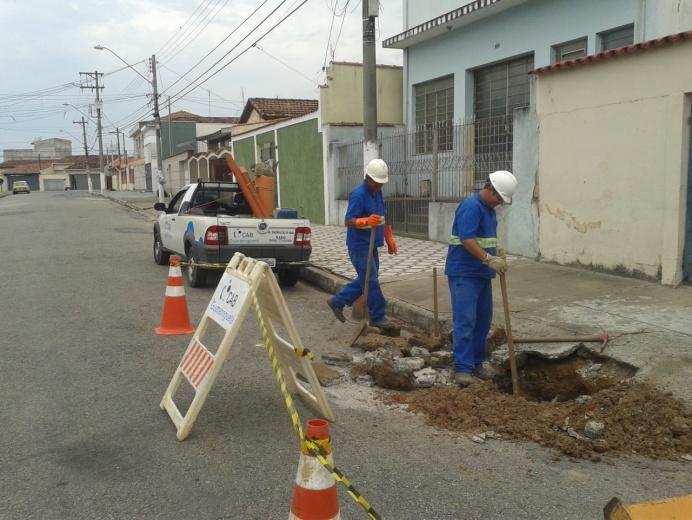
(46,44)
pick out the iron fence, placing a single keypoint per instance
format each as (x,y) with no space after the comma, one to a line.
(439,162)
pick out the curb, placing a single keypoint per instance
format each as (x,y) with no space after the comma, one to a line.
(129,205)
(402,310)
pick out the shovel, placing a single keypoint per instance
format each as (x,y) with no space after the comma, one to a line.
(510,339)
(363,325)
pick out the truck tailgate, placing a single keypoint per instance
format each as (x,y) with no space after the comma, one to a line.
(261,232)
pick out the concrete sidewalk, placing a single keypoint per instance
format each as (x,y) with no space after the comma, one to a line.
(650,325)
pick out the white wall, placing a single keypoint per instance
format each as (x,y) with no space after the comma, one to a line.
(613,162)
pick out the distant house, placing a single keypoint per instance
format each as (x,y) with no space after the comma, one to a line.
(52,175)
(71,172)
(303,140)
(20,170)
(179,133)
(473,105)
(42,149)
(257,113)
(267,109)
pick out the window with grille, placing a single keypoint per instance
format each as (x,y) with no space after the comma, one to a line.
(498,90)
(616,38)
(434,114)
(570,50)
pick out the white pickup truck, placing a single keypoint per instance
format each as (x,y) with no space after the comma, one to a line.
(207,222)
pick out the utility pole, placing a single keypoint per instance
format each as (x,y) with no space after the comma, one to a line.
(127,167)
(157,118)
(370,146)
(95,76)
(120,157)
(117,137)
(86,152)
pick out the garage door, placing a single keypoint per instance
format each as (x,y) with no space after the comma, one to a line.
(54,184)
(81,182)
(32,181)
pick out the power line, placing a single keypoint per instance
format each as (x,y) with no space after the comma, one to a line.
(209,19)
(184,75)
(286,65)
(191,28)
(161,49)
(196,85)
(329,40)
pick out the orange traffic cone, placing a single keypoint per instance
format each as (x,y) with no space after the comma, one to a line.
(174,316)
(314,495)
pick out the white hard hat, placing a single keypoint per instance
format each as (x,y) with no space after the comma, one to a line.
(377,170)
(505,183)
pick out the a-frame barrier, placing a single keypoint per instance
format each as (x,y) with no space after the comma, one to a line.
(244,282)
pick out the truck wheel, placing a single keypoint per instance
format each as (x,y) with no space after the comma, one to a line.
(161,257)
(289,277)
(196,276)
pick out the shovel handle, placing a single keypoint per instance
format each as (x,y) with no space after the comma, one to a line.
(368,270)
(510,340)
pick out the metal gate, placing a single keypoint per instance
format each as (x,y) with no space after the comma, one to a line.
(687,255)
(54,184)
(147,176)
(437,162)
(81,182)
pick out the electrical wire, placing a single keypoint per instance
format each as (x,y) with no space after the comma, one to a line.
(211,17)
(286,65)
(181,93)
(161,49)
(184,75)
(201,17)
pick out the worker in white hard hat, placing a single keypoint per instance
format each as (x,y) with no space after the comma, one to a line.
(472,261)
(365,210)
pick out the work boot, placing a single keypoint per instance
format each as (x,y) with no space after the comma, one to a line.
(465,379)
(485,372)
(384,323)
(338,311)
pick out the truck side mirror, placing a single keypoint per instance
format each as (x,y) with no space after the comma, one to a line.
(160,206)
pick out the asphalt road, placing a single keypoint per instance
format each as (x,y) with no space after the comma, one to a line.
(82,435)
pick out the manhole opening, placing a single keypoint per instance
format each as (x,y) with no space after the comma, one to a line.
(582,372)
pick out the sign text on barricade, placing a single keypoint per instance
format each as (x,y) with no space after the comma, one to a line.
(244,281)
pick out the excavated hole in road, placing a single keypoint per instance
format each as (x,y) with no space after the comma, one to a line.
(581,372)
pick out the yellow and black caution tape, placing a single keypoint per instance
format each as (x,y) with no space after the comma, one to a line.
(203,265)
(312,446)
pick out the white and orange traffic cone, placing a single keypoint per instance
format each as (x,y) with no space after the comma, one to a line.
(174,316)
(314,495)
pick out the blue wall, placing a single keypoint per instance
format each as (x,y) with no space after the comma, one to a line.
(530,28)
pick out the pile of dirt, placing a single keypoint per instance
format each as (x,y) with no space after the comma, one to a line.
(637,417)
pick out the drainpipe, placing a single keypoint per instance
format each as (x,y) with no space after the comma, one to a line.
(641,26)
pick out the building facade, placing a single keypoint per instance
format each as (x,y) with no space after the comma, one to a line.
(467,81)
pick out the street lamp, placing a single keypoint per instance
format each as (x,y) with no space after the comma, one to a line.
(157,117)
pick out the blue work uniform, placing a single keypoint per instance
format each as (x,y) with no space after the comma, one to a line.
(363,203)
(470,282)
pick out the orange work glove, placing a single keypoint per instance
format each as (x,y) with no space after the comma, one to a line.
(373,220)
(389,238)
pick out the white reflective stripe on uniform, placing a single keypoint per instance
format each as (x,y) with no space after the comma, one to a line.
(312,475)
(176,290)
(487,243)
(174,271)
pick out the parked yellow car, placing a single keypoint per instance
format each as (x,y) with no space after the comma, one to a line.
(20,187)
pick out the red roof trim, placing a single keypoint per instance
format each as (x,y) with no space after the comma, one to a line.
(614,53)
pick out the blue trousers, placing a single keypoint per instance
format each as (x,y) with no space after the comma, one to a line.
(354,289)
(472,313)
